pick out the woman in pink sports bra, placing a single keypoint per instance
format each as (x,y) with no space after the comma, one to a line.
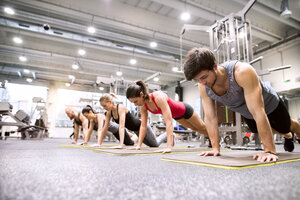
(159,103)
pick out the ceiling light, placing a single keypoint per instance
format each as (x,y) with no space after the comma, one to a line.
(71,77)
(175,69)
(81,52)
(119,73)
(67,84)
(185,16)
(17,40)
(101,88)
(241,34)
(29,80)
(23,58)
(75,66)
(132,61)
(91,29)
(156,79)
(9,11)
(26,71)
(153,44)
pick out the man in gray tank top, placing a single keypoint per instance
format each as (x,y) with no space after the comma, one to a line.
(236,85)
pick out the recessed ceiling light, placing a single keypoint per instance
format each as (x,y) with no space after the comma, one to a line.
(9,11)
(75,66)
(153,44)
(17,40)
(101,88)
(29,80)
(132,61)
(26,71)
(91,29)
(67,84)
(185,16)
(175,69)
(119,73)
(23,58)
(81,52)
(71,77)
(156,79)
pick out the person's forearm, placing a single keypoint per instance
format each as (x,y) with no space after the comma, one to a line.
(213,134)
(102,135)
(142,135)
(76,135)
(121,135)
(169,129)
(266,135)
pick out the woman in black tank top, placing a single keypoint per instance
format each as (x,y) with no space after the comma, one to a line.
(96,122)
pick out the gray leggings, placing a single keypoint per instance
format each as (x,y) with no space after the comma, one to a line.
(151,140)
(114,128)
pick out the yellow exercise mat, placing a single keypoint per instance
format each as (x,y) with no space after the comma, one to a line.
(232,159)
(87,146)
(148,151)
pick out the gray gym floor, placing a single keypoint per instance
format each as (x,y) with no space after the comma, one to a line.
(40,169)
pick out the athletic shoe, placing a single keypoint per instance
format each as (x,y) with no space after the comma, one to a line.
(289,144)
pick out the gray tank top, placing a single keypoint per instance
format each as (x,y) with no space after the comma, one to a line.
(234,98)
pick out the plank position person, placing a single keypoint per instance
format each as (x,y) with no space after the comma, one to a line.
(79,120)
(96,123)
(159,103)
(121,115)
(236,85)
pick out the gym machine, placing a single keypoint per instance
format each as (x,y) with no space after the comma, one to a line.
(22,121)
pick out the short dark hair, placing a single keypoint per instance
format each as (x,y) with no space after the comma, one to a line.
(197,60)
(135,89)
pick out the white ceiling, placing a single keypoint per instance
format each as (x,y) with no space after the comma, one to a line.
(124,29)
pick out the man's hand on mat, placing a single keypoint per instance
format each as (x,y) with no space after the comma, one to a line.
(167,150)
(210,153)
(135,148)
(74,142)
(265,157)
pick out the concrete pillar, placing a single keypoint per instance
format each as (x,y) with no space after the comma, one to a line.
(51,105)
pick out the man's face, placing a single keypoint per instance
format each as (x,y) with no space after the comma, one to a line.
(206,78)
(70,114)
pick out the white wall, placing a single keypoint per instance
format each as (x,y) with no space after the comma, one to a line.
(290,56)
(287,54)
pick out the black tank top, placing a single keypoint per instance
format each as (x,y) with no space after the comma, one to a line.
(77,120)
(131,122)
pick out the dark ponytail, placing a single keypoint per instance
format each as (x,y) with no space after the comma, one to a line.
(134,90)
(87,109)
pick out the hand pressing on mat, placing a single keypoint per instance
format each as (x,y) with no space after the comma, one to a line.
(96,145)
(265,157)
(210,153)
(73,142)
(117,147)
(167,150)
(135,148)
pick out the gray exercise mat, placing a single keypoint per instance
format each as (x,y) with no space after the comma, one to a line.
(231,159)
(148,150)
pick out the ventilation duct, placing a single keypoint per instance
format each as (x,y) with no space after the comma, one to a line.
(285,12)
